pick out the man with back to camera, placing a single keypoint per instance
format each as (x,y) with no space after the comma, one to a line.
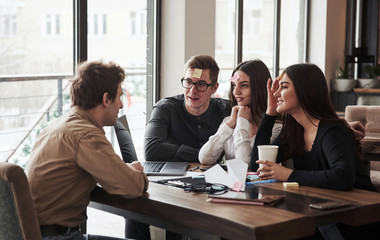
(181,124)
(72,155)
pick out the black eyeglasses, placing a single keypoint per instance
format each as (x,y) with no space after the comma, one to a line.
(200,85)
(211,188)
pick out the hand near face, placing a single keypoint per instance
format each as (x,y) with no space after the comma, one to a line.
(232,121)
(273,170)
(136,165)
(272,100)
(245,112)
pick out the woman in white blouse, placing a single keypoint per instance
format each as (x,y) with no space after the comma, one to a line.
(236,134)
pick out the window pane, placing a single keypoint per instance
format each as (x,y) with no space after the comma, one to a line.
(258,18)
(293,31)
(36,37)
(224,43)
(119,35)
(36,50)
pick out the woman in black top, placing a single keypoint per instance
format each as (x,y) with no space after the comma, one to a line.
(323,147)
(324,150)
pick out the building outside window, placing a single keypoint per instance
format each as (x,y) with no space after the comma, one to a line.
(52,24)
(8,25)
(97,24)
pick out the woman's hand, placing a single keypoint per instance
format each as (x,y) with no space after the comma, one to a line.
(272,100)
(232,121)
(273,170)
(245,112)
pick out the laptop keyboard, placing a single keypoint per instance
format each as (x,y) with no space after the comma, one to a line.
(153,166)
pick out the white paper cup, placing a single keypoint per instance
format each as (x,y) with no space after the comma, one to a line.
(267,152)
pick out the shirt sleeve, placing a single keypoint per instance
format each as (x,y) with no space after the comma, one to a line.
(340,156)
(213,148)
(96,156)
(264,137)
(242,143)
(156,146)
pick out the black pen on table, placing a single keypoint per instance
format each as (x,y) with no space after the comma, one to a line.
(194,168)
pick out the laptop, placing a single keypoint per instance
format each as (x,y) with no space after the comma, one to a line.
(154,168)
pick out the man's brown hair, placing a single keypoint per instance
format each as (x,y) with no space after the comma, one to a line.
(204,62)
(92,80)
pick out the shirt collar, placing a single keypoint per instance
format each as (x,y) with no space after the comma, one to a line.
(85,115)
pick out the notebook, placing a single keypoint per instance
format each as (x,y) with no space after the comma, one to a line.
(165,168)
(250,196)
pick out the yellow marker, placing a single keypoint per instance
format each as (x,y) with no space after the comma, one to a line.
(290,185)
(197,73)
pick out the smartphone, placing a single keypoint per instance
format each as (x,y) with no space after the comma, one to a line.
(328,205)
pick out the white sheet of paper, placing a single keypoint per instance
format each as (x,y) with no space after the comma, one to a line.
(216,174)
(237,169)
(237,172)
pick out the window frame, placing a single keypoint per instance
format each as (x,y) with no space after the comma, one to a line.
(153,45)
(277,26)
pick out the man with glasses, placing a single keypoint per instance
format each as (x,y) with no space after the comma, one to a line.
(181,124)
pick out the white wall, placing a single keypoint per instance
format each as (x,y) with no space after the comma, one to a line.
(188,28)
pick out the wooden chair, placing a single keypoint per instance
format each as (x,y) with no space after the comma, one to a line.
(18,217)
(369,116)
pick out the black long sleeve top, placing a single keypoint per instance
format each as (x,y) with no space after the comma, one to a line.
(332,163)
(173,134)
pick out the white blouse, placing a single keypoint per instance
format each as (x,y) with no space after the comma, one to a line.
(235,143)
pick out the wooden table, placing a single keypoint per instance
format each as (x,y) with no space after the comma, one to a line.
(190,214)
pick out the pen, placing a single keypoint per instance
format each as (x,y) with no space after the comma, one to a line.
(262,181)
(194,168)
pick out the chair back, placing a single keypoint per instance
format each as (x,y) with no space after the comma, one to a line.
(123,120)
(124,138)
(18,217)
(368,115)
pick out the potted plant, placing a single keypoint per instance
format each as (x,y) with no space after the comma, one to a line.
(372,80)
(343,82)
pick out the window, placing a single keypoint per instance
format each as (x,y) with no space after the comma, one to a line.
(133,23)
(252,22)
(137,23)
(97,24)
(25,47)
(277,46)
(128,49)
(260,44)
(52,24)
(293,33)
(41,53)
(8,25)
(225,43)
